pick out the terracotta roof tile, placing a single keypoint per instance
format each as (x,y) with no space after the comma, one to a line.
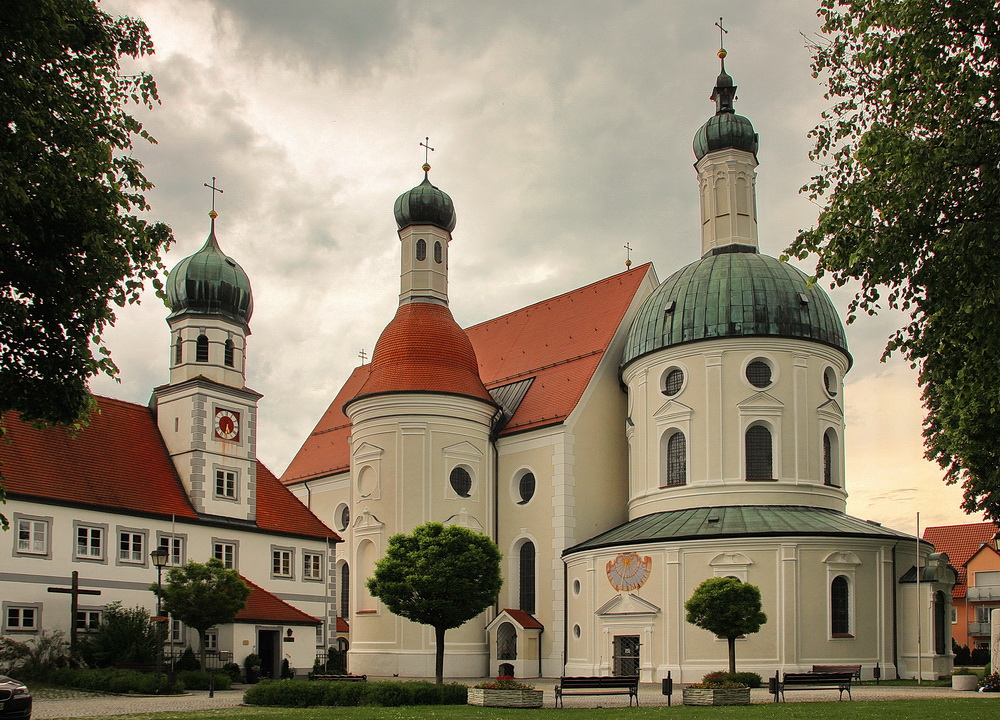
(524,619)
(342,625)
(559,342)
(280,511)
(263,607)
(961,542)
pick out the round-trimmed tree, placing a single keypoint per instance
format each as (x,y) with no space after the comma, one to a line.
(728,608)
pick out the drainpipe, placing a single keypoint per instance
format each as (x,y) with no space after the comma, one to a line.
(895,623)
(565,615)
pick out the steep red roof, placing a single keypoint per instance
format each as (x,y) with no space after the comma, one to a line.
(423,349)
(119,461)
(558,342)
(263,607)
(961,542)
(524,619)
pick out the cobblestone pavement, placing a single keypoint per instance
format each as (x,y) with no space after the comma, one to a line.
(71,704)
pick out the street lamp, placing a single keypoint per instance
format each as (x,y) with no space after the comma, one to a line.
(159,558)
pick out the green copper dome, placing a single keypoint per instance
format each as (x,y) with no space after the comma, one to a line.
(425,205)
(210,283)
(733,294)
(725,129)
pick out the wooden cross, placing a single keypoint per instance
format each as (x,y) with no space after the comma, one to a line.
(363,355)
(427,149)
(628,255)
(722,30)
(218,190)
(75,592)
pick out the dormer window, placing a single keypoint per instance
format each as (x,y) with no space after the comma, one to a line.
(421,249)
(201,353)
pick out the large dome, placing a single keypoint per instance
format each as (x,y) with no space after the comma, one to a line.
(725,130)
(425,204)
(210,283)
(734,294)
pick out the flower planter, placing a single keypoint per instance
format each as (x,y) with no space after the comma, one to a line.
(486,697)
(716,696)
(964,682)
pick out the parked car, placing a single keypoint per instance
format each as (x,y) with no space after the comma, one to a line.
(15,699)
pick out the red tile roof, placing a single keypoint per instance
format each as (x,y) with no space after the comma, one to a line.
(524,619)
(119,461)
(263,607)
(342,625)
(423,349)
(961,542)
(559,342)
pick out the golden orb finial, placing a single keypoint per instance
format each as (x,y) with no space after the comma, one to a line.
(425,167)
(213,214)
(722,53)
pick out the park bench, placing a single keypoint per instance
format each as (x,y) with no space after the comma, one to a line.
(342,678)
(810,681)
(853,669)
(599,685)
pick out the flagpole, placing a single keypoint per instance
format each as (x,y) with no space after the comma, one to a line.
(920,662)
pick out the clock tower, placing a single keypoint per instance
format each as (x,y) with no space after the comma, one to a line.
(206,414)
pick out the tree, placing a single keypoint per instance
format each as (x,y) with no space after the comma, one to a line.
(728,608)
(126,636)
(440,576)
(72,247)
(203,595)
(909,159)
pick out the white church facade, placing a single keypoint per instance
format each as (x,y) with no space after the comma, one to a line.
(623,442)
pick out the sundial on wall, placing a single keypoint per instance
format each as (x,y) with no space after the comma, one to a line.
(628,571)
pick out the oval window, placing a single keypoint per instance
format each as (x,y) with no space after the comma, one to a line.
(461,481)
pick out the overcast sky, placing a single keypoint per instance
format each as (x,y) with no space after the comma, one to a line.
(562,130)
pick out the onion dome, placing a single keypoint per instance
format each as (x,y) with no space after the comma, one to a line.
(426,204)
(423,350)
(210,283)
(725,129)
(734,293)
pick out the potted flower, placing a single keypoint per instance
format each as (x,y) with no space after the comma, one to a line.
(717,692)
(964,679)
(505,692)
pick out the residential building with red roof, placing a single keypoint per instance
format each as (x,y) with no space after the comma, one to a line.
(974,551)
(88,506)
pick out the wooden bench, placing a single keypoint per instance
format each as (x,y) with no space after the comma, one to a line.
(810,681)
(342,678)
(853,669)
(599,685)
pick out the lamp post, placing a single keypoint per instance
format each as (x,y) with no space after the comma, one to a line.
(159,558)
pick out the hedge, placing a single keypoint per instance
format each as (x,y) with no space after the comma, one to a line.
(111,680)
(386,693)
(200,680)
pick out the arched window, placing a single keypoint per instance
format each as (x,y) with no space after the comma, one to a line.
(437,252)
(940,634)
(526,487)
(840,610)
(345,591)
(526,577)
(421,249)
(506,642)
(461,481)
(677,459)
(178,351)
(201,354)
(758,453)
(828,475)
(229,353)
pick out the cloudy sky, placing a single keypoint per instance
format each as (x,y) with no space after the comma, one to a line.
(562,130)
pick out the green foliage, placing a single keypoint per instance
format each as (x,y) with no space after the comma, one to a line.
(232,670)
(35,658)
(112,680)
(741,679)
(200,680)
(726,607)
(202,595)
(504,683)
(72,243)
(310,693)
(126,636)
(990,683)
(440,575)
(286,669)
(909,174)
(187,661)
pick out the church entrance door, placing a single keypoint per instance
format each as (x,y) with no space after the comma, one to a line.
(626,654)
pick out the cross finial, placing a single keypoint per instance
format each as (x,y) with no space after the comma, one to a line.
(722,40)
(214,190)
(363,355)
(628,255)
(427,150)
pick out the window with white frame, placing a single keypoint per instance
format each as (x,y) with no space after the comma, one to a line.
(89,542)
(225,551)
(32,535)
(840,607)
(174,545)
(88,620)
(225,484)
(212,640)
(281,562)
(21,618)
(132,547)
(312,566)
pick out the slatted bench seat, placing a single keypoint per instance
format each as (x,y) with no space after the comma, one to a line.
(810,681)
(342,678)
(599,685)
(853,669)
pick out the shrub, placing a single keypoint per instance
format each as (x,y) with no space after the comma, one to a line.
(720,677)
(37,657)
(286,670)
(963,656)
(980,656)
(307,693)
(963,671)
(990,683)
(504,683)
(200,680)
(188,661)
(233,671)
(111,680)
(126,636)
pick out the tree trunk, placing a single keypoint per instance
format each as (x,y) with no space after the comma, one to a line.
(202,652)
(439,654)
(732,653)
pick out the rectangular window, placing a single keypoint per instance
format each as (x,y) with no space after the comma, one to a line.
(212,641)
(89,542)
(225,484)
(983,613)
(281,563)
(174,546)
(954,614)
(987,579)
(176,632)
(21,618)
(88,620)
(131,547)
(312,566)
(32,536)
(226,552)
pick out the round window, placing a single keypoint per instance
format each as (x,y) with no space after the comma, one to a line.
(461,481)
(673,381)
(526,487)
(759,374)
(830,381)
(345,517)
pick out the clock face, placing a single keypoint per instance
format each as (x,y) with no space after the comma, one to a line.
(227,425)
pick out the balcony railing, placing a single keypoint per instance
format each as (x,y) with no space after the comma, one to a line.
(979,628)
(979,594)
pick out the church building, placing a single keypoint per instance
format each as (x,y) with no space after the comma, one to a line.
(622,442)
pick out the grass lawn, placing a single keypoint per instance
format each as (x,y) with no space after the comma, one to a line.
(930,709)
